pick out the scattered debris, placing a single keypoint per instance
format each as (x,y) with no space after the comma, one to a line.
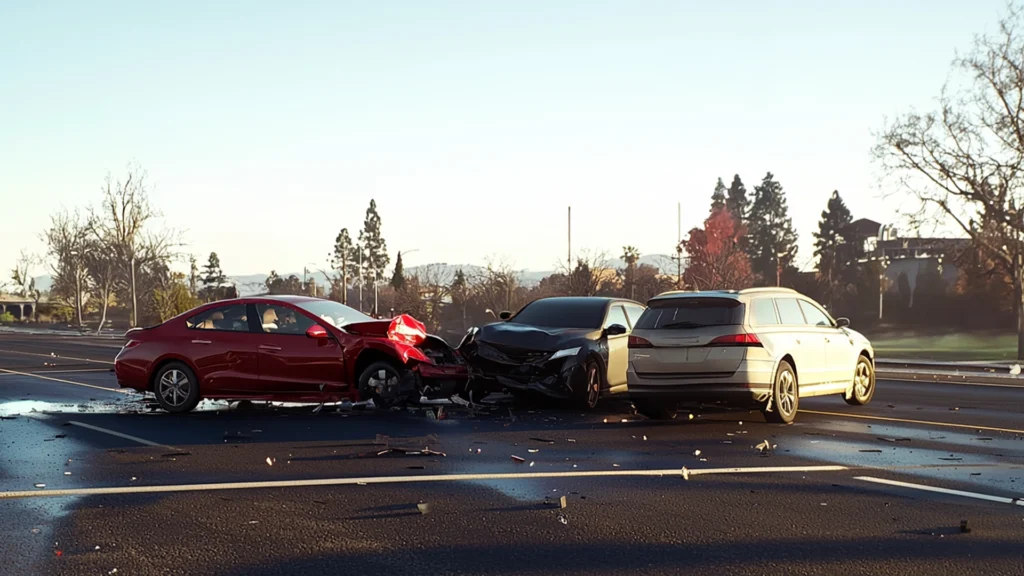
(270,461)
(964,528)
(625,420)
(533,450)
(726,441)
(563,518)
(318,408)
(645,438)
(543,440)
(35,530)
(67,473)
(518,459)
(696,452)
(133,479)
(571,440)
(764,448)
(984,439)
(40,485)
(894,439)
(531,464)
(686,473)
(875,450)
(952,459)
(955,409)
(423,507)
(1015,370)
(254,521)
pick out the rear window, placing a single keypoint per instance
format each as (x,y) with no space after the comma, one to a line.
(685,313)
(559,313)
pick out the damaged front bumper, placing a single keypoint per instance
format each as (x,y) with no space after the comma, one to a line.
(536,372)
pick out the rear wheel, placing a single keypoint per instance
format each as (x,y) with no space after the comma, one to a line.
(785,397)
(176,388)
(654,410)
(587,391)
(863,383)
(382,382)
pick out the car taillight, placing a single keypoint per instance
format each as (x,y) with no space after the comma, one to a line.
(638,342)
(736,340)
(132,344)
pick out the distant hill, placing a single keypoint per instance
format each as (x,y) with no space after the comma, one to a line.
(249,284)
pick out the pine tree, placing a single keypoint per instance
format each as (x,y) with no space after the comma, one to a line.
(834,252)
(460,293)
(193,276)
(398,279)
(342,260)
(736,200)
(718,197)
(630,255)
(772,245)
(213,277)
(375,251)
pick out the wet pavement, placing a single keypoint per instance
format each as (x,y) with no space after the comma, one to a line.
(65,426)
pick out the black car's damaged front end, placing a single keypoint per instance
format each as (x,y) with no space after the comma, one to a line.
(550,372)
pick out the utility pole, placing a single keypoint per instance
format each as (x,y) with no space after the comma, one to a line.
(679,245)
(362,276)
(569,259)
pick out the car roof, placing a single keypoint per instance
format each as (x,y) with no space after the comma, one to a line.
(584,300)
(732,294)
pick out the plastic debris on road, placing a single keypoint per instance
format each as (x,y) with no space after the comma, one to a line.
(517,459)
(696,452)
(39,485)
(533,450)
(1015,370)
(563,518)
(423,507)
(764,448)
(270,461)
(686,473)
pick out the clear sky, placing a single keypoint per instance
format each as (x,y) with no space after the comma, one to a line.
(265,127)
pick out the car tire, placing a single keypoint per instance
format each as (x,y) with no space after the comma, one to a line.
(176,388)
(381,382)
(785,398)
(863,383)
(654,410)
(587,391)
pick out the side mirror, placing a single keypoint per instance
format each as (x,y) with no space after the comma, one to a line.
(317,332)
(842,322)
(615,330)
(505,315)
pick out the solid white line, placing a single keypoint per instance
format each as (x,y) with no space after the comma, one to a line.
(62,371)
(120,435)
(402,480)
(58,356)
(881,376)
(62,381)
(976,495)
(910,421)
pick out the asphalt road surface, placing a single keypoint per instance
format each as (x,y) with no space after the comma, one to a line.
(881,489)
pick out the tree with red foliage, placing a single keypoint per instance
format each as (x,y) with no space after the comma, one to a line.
(717,260)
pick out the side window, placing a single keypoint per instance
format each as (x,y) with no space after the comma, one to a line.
(789,312)
(280,319)
(224,318)
(762,312)
(633,312)
(616,316)
(815,317)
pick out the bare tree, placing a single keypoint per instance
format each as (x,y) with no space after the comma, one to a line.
(102,267)
(120,223)
(496,287)
(24,281)
(965,161)
(591,276)
(66,240)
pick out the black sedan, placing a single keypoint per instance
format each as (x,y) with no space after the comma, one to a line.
(566,348)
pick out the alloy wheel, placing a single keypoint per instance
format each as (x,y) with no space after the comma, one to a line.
(175,388)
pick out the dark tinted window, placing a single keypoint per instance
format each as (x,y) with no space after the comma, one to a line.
(762,312)
(229,318)
(558,313)
(815,317)
(683,313)
(616,315)
(280,319)
(634,312)
(789,311)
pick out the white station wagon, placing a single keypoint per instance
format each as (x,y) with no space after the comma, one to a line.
(766,347)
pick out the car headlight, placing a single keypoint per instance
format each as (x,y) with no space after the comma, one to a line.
(564,353)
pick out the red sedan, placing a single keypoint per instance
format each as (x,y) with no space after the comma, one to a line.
(289,349)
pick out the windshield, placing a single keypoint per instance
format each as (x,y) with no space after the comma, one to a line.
(335,314)
(681,314)
(562,313)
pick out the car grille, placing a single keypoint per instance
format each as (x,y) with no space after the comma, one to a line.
(508,355)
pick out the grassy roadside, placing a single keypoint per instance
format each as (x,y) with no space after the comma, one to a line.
(948,347)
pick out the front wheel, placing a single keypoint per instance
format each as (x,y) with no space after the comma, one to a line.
(785,397)
(863,383)
(587,391)
(381,382)
(176,388)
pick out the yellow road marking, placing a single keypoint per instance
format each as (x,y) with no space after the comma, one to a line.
(50,356)
(908,421)
(62,381)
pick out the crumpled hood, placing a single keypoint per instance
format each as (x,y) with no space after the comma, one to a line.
(534,337)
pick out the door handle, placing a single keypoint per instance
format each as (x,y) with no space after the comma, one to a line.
(268,347)
(201,342)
